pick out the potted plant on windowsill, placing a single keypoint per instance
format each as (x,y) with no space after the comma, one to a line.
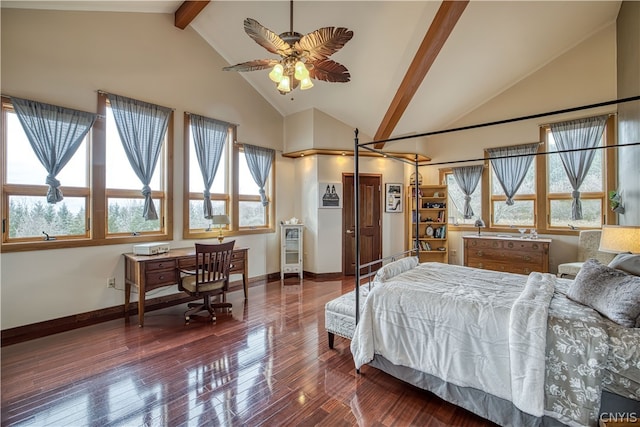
(615,202)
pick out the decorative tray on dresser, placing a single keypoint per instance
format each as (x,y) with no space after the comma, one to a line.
(509,254)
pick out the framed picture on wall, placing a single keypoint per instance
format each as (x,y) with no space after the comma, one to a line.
(330,195)
(393,197)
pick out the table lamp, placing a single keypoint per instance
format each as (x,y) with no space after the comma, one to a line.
(480,224)
(620,238)
(220,220)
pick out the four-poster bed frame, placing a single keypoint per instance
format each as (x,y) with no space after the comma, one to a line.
(475,400)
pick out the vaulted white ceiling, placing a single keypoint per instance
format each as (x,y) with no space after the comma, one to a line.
(494,45)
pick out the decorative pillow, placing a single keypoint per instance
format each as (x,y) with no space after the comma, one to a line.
(612,292)
(628,263)
(395,267)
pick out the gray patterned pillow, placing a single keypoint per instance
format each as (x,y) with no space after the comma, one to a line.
(613,293)
(627,262)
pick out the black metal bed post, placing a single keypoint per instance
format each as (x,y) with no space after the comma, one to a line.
(356,200)
(416,241)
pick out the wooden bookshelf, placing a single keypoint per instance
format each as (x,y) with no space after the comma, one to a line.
(433,230)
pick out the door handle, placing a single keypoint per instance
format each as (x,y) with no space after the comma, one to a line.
(350,231)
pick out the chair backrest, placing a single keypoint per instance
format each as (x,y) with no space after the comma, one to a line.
(588,244)
(213,262)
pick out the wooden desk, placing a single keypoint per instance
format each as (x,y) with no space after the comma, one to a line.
(147,272)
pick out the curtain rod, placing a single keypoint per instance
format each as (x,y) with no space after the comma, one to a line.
(212,118)
(542,153)
(104,92)
(515,119)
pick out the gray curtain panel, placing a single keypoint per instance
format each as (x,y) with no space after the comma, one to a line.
(467,178)
(55,133)
(209,137)
(510,165)
(578,134)
(259,161)
(142,127)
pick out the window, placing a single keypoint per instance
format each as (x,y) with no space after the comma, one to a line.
(125,202)
(522,212)
(244,206)
(544,199)
(251,213)
(27,217)
(559,189)
(456,200)
(102,196)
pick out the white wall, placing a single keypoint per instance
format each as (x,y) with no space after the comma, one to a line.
(581,76)
(63,58)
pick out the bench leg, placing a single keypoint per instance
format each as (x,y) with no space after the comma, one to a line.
(331,336)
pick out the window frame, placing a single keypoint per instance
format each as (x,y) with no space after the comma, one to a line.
(232,197)
(96,194)
(542,197)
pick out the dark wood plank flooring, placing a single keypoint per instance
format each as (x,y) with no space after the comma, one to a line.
(267,363)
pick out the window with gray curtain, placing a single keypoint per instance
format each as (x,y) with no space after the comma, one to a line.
(510,165)
(209,137)
(467,178)
(573,135)
(142,128)
(259,161)
(55,133)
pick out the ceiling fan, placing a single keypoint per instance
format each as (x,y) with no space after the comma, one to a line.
(302,57)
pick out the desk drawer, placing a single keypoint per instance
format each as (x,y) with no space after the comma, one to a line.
(237,262)
(165,264)
(161,277)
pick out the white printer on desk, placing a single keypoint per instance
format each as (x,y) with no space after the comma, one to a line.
(154,248)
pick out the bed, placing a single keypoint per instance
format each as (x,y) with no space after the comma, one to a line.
(508,347)
(511,348)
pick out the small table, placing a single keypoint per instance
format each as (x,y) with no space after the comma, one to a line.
(147,272)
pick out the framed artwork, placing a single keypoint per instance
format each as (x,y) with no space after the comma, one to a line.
(393,198)
(330,195)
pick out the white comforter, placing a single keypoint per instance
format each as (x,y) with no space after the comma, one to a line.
(468,327)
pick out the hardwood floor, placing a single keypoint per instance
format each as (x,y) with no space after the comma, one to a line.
(267,363)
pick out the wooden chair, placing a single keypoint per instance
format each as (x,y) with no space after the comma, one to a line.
(208,277)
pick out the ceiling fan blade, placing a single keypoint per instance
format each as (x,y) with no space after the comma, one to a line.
(255,65)
(266,38)
(329,71)
(323,42)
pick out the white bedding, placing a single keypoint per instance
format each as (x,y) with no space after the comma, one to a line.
(469,327)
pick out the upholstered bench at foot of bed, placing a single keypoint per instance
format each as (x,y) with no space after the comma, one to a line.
(339,316)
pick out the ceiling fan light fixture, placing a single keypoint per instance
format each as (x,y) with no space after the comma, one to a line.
(284,85)
(300,71)
(302,57)
(277,72)
(306,83)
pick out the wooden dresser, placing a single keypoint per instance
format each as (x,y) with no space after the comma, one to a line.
(509,254)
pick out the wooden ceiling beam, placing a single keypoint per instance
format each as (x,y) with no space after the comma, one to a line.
(443,23)
(188,11)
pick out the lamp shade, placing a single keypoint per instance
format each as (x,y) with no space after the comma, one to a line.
(220,220)
(479,223)
(620,238)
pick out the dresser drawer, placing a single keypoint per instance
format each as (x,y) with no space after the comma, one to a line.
(526,246)
(495,244)
(506,266)
(519,256)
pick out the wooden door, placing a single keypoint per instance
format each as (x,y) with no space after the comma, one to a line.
(370,221)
